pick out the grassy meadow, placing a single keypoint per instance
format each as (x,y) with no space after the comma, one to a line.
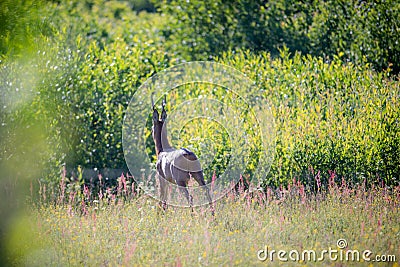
(68,70)
(111,232)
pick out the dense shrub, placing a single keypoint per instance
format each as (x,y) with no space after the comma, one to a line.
(353,29)
(76,86)
(331,116)
(22,25)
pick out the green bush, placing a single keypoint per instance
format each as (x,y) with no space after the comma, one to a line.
(23,23)
(110,61)
(358,29)
(353,29)
(332,118)
(78,83)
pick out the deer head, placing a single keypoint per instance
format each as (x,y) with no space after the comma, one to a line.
(158,124)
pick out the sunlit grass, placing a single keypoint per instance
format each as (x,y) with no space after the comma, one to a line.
(137,232)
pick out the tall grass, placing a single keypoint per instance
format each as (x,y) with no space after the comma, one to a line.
(75,231)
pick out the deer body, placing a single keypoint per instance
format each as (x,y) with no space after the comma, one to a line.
(182,159)
(174,165)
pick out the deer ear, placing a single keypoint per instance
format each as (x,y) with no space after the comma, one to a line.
(155,115)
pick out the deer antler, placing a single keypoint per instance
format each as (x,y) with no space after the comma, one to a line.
(164,113)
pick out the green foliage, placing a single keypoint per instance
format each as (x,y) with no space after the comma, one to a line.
(358,29)
(77,85)
(354,29)
(100,94)
(202,29)
(330,117)
(22,25)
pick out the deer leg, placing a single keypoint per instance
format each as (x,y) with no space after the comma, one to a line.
(181,178)
(199,177)
(183,188)
(163,191)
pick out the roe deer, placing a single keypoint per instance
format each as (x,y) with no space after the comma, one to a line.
(174,165)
